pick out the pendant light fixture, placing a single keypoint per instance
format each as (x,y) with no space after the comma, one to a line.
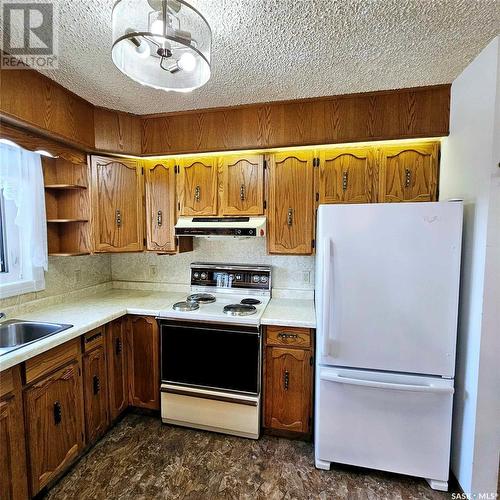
(164,44)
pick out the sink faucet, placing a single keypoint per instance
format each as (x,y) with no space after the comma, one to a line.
(2,315)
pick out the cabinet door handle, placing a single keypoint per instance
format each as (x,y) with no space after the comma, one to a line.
(242,192)
(118,218)
(289,218)
(345,181)
(285,335)
(159,218)
(57,413)
(407,177)
(96,384)
(286,380)
(118,346)
(197,193)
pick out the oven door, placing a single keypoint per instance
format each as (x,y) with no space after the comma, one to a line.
(211,356)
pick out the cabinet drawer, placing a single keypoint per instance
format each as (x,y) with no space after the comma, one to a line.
(6,382)
(280,335)
(49,361)
(93,339)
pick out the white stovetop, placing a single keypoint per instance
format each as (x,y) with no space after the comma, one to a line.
(214,311)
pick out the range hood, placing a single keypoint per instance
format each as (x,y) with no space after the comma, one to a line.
(238,227)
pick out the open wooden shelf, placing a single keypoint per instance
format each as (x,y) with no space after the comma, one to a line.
(67,205)
(65,186)
(59,221)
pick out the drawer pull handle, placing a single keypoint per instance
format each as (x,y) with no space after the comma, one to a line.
(96,384)
(93,337)
(197,193)
(57,413)
(407,177)
(118,346)
(242,192)
(118,218)
(285,335)
(345,181)
(290,217)
(286,380)
(159,218)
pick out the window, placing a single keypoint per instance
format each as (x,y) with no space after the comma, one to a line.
(23,232)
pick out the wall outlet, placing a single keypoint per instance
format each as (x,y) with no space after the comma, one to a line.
(78,276)
(153,271)
(306,277)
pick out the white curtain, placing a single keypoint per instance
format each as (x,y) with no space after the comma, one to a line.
(21,179)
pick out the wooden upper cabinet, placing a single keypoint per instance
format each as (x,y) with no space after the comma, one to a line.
(242,185)
(160,205)
(288,389)
(54,424)
(291,207)
(346,175)
(197,188)
(143,339)
(408,172)
(117,204)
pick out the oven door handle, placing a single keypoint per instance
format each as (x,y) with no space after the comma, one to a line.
(205,395)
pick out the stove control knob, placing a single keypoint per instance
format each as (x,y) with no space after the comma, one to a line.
(255,278)
(196,275)
(237,231)
(238,277)
(250,232)
(203,276)
(263,279)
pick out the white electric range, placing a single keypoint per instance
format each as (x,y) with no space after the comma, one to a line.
(211,349)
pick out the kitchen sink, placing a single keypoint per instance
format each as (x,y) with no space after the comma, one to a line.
(16,333)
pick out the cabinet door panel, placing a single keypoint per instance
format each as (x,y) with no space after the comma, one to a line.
(54,421)
(144,362)
(242,185)
(117,368)
(291,210)
(198,186)
(409,173)
(96,394)
(117,204)
(160,206)
(346,176)
(288,389)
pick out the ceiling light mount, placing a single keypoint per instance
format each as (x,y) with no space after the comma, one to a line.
(164,44)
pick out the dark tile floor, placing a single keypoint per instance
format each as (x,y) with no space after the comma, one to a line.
(140,458)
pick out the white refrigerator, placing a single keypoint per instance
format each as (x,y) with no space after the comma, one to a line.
(387,283)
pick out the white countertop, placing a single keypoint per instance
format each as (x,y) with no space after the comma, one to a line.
(290,312)
(98,309)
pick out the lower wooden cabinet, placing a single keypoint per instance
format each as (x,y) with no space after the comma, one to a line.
(288,380)
(95,394)
(117,367)
(143,362)
(54,424)
(13,474)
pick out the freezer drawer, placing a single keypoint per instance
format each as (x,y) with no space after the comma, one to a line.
(391,422)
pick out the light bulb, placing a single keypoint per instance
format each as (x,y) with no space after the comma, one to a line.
(157,27)
(143,50)
(187,62)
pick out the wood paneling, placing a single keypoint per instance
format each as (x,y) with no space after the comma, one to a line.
(117,132)
(33,100)
(347,175)
(51,360)
(408,173)
(197,186)
(54,424)
(159,183)
(13,473)
(117,204)
(95,386)
(143,340)
(117,368)
(397,114)
(242,185)
(291,202)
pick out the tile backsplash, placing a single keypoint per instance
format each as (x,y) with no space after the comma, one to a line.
(289,272)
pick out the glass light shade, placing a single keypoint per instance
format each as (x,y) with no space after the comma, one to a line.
(164,44)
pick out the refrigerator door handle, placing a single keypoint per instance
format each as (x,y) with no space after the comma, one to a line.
(327,284)
(335,377)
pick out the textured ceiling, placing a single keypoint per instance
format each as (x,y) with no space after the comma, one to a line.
(271,50)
